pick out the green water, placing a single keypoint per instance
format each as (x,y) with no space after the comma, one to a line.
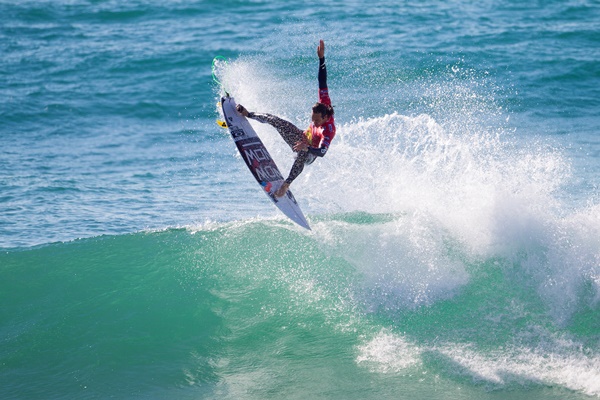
(244,311)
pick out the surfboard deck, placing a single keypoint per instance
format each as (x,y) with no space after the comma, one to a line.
(259,161)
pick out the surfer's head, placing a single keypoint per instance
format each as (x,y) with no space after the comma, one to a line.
(321,113)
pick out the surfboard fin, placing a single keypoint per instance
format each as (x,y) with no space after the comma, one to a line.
(222,124)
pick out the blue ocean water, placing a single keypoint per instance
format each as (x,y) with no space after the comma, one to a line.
(455,243)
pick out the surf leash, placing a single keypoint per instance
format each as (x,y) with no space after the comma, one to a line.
(218,63)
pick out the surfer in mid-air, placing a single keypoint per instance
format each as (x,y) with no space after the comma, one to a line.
(314,141)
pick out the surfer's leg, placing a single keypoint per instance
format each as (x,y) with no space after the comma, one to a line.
(288,131)
(298,166)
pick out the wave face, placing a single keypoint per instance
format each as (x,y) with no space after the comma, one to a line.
(259,309)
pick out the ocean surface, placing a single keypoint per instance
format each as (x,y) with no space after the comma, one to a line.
(455,243)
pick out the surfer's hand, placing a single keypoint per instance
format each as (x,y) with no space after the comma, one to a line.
(240,108)
(282,190)
(301,145)
(321,49)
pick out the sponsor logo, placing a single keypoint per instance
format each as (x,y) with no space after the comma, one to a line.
(267,185)
(262,164)
(267,173)
(257,153)
(308,133)
(237,132)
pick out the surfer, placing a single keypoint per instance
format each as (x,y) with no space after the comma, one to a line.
(315,140)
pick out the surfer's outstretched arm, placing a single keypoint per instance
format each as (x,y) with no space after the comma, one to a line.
(322,66)
(322,115)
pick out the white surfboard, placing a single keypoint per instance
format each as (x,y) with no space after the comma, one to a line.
(259,161)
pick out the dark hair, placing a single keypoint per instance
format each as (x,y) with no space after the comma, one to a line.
(323,109)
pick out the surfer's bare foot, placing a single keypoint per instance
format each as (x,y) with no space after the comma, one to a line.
(282,190)
(242,110)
